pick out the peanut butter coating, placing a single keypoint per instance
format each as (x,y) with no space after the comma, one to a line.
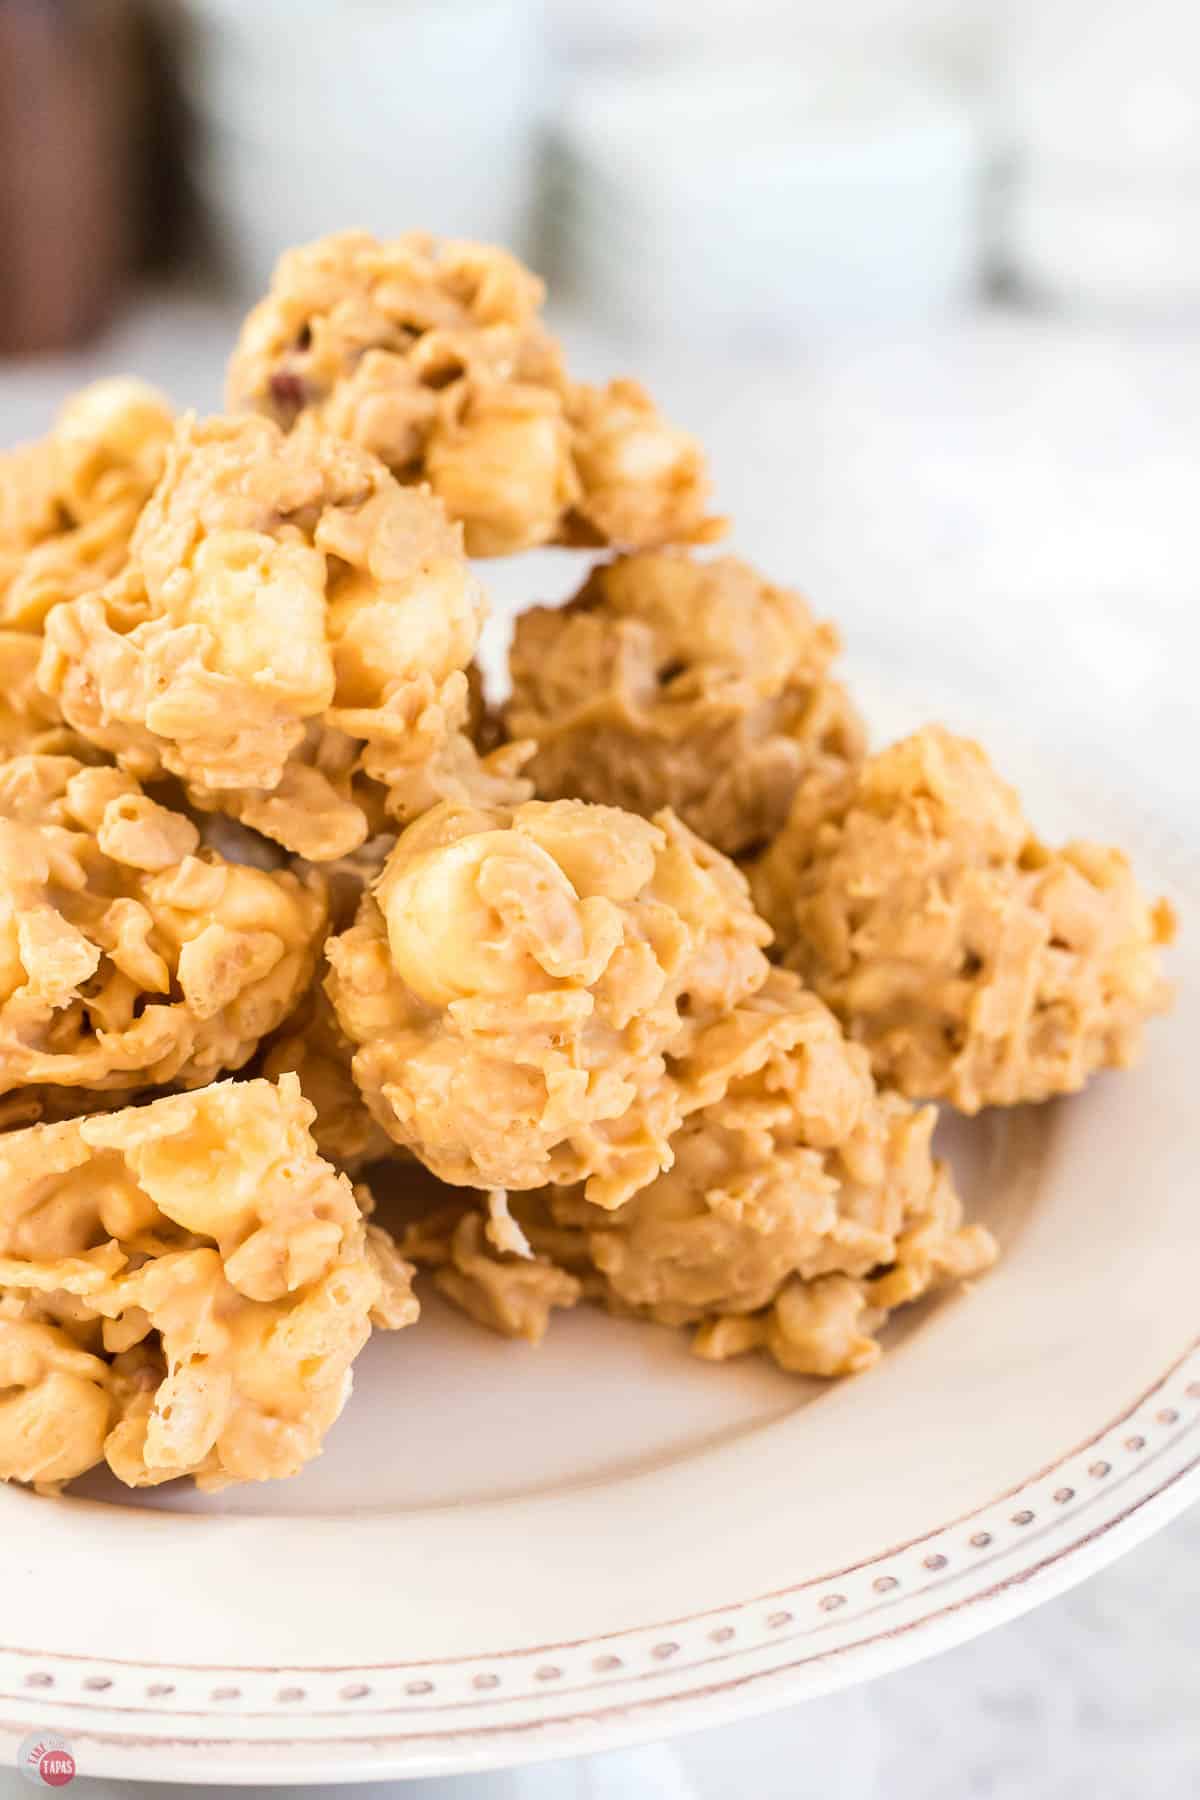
(433,355)
(800,1207)
(672,681)
(522,982)
(183,1289)
(69,503)
(289,638)
(130,957)
(975,964)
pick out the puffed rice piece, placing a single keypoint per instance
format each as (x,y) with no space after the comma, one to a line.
(220,1275)
(520,980)
(69,503)
(669,681)
(976,964)
(433,356)
(289,638)
(128,955)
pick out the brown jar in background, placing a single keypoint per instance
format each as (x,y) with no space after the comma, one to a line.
(70,189)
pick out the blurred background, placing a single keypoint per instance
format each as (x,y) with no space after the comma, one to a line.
(924,275)
(755,167)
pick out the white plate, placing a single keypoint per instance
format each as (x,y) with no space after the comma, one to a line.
(507,1554)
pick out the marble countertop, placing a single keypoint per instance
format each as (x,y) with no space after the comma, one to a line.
(1007,465)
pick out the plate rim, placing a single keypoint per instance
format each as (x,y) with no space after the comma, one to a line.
(349,1744)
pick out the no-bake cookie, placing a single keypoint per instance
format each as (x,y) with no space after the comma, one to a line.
(800,1208)
(69,503)
(183,1289)
(519,981)
(672,681)
(433,356)
(976,964)
(29,719)
(289,638)
(129,955)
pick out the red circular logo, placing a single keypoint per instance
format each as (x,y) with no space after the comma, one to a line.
(56,1767)
(45,1759)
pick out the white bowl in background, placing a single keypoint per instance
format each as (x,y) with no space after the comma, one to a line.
(316,118)
(773,197)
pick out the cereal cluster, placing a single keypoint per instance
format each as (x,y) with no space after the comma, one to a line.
(185,1287)
(289,638)
(69,503)
(800,1207)
(635,991)
(434,357)
(130,957)
(520,984)
(671,681)
(974,963)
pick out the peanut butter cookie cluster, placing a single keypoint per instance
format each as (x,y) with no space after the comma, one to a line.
(434,356)
(798,1208)
(638,988)
(185,1286)
(30,719)
(68,504)
(289,638)
(974,963)
(520,983)
(671,681)
(129,956)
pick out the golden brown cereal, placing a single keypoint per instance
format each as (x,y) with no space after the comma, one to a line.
(433,356)
(975,964)
(29,719)
(55,1403)
(313,1048)
(510,1290)
(128,956)
(643,482)
(183,1288)
(800,1208)
(669,681)
(520,979)
(349,877)
(312,1045)
(69,503)
(288,638)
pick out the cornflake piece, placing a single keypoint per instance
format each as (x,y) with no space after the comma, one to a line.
(519,980)
(127,957)
(55,1402)
(311,1044)
(29,719)
(800,1208)
(975,964)
(312,1047)
(669,681)
(288,638)
(433,355)
(509,1292)
(69,503)
(183,1288)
